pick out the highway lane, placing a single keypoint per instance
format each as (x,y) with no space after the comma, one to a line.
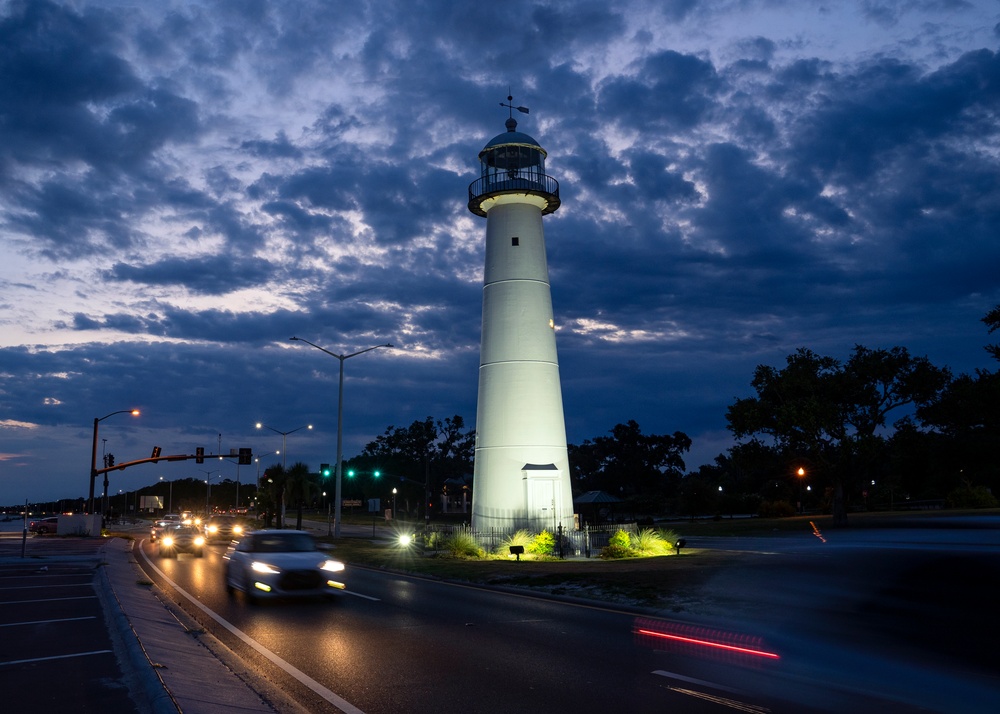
(396,643)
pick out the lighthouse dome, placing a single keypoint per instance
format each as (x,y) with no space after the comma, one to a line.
(513,163)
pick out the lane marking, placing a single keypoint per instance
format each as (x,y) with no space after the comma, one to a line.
(366,597)
(46,659)
(50,599)
(336,700)
(731,703)
(47,622)
(699,682)
(47,586)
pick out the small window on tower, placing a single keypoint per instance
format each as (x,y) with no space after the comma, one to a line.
(515,241)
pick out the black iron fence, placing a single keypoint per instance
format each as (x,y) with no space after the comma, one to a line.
(586,542)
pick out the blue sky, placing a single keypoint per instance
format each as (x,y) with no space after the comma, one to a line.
(184,186)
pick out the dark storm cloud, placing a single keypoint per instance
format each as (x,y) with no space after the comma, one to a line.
(722,205)
(69,102)
(670,90)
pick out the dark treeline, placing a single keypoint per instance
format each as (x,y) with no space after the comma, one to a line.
(881,429)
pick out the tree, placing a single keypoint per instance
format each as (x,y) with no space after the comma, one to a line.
(643,466)
(834,413)
(299,488)
(274,478)
(426,452)
(992,320)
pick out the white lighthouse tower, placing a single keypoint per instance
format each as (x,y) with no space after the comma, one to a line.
(521,477)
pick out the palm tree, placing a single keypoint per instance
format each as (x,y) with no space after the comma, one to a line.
(298,489)
(276,479)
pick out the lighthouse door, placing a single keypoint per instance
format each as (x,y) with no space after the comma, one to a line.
(542,503)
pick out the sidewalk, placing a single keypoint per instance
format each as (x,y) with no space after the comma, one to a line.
(164,657)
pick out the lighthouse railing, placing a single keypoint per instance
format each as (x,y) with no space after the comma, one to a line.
(504,182)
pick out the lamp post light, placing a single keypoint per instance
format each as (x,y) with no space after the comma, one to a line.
(393,504)
(284,436)
(208,490)
(340,422)
(93,453)
(170,507)
(801,474)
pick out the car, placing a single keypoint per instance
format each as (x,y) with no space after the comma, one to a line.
(165,521)
(181,539)
(44,525)
(222,529)
(273,563)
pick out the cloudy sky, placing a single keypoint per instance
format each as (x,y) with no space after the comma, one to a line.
(186,185)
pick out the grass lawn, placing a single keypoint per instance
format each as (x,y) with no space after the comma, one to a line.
(666,582)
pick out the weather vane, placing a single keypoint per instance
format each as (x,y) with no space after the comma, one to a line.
(511,107)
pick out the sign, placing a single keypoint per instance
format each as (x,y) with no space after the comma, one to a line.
(374,504)
(351,502)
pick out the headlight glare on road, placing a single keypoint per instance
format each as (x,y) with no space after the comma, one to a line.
(332,566)
(259,567)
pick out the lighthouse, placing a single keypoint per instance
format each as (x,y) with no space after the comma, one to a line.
(521,477)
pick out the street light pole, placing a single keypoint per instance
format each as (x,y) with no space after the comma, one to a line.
(340,423)
(284,436)
(93,451)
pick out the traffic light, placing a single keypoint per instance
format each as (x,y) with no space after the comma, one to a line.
(324,470)
(376,474)
(110,460)
(199,455)
(350,473)
(156,452)
(246,456)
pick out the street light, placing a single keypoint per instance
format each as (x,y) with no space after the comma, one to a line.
(284,435)
(340,421)
(170,508)
(208,491)
(801,474)
(93,453)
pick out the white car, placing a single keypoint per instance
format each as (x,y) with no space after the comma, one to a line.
(281,563)
(168,520)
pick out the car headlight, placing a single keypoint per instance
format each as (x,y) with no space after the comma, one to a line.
(199,541)
(259,567)
(213,529)
(168,541)
(332,566)
(237,529)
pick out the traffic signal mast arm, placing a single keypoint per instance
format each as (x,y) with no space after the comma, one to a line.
(246,458)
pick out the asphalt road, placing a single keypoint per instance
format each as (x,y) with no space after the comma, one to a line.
(891,621)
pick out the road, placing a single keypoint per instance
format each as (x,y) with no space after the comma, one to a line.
(895,621)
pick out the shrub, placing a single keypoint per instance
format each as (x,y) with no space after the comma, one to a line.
(648,542)
(616,550)
(776,509)
(543,544)
(619,546)
(968,496)
(463,545)
(621,539)
(521,537)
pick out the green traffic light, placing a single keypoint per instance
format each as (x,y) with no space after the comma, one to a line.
(377,474)
(350,473)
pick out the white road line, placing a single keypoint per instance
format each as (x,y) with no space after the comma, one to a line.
(45,659)
(47,622)
(701,682)
(49,587)
(49,599)
(336,700)
(366,597)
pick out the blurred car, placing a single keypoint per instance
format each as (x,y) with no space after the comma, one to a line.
(222,529)
(181,539)
(281,563)
(44,525)
(167,520)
